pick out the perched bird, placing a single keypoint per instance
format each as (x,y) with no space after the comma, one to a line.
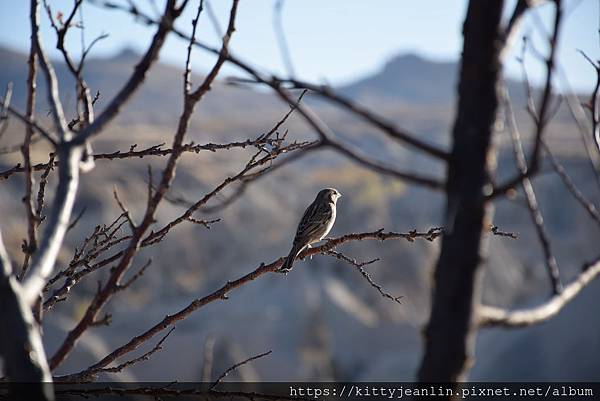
(314,225)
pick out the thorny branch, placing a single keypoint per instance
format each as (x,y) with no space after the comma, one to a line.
(157,150)
(222,293)
(33,219)
(105,237)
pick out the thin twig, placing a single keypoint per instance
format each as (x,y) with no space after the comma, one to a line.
(360,267)
(532,204)
(237,365)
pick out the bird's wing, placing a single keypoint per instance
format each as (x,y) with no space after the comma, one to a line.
(315,218)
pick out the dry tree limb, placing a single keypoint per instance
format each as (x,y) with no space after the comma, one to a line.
(222,293)
(489,316)
(272,144)
(23,118)
(369,116)
(578,113)
(42,188)
(43,259)
(512,27)
(21,345)
(33,220)
(103,239)
(86,254)
(156,236)
(190,100)
(326,135)
(82,89)
(327,140)
(542,117)
(154,150)
(532,204)
(77,219)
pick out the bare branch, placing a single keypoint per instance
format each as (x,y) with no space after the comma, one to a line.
(190,100)
(21,347)
(594,102)
(222,293)
(360,267)
(142,358)
(135,277)
(237,365)
(43,260)
(157,236)
(492,317)
(77,218)
(32,218)
(512,27)
(542,116)
(369,116)
(328,140)
(42,188)
(123,209)
(577,194)
(187,74)
(21,117)
(532,204)
(274,81)
(138,76)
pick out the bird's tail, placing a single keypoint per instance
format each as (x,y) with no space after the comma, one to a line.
(289,261)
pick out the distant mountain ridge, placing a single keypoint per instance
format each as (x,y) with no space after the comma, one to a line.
(407,77)
(411,78)
(405,80)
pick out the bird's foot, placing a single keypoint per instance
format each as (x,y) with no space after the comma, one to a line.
(308,247)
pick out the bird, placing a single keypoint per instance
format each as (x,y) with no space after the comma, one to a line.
(315,224)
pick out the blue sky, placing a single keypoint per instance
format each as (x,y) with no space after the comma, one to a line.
(334,41)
